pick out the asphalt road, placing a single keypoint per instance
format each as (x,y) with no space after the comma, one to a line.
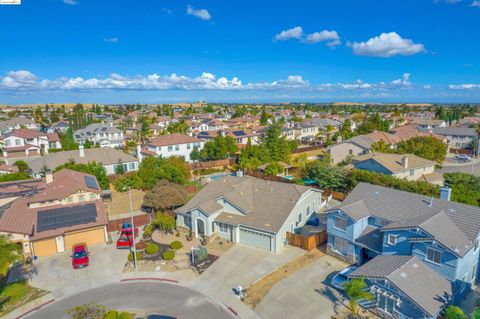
(161,298)
(467,168)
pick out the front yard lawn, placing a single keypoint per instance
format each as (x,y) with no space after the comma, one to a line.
(17,294)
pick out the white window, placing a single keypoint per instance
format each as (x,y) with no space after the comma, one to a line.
(131,166)
(340,223)
(7,142)
(81,198)
(18,142)
(188,146)
(299,218)
(308,210)
(391,239)
(223,228)
(170,148)
(92,196)
(412,172)
(386,304)
(177,147)
(434,256)
(340,245)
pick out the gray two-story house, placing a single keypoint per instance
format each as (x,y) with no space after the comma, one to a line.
(378,221)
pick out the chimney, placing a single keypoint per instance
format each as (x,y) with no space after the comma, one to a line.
(48,176)
(445,193)
(111,124)
(81,150)
(405,161)
(139,153)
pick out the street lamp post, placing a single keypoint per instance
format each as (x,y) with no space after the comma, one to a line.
(133,230)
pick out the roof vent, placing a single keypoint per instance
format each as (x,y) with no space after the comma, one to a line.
(292,199)
(403,275)
(267,225)
(241,193)
(415,265)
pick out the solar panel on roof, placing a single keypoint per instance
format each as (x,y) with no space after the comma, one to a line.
(66,217)
(90,182)
(238,133)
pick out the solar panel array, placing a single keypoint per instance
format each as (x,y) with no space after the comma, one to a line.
(91,182)
(66,217)
(238,133)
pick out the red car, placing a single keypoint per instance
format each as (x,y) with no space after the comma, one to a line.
(126,239)
(80,256)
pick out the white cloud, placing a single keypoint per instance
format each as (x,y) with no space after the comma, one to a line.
(475,3)
(468,86)
(387,45)
(111,40)
(447,1)
(201,13)
(71,2)
(167,11)
(293,33)
(404,81)
(325,35)
(19,79)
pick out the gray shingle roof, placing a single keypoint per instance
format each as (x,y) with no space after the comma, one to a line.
(421,284)
(452,130)
(457,228)
(265,205)
(372,238)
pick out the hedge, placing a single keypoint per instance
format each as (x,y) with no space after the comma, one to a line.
(139,256)
(176,245)
(168,255)
(111,314)
(151,249)
(125,315)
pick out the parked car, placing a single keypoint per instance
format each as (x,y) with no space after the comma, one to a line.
(80,255)
(126,238)
(463,157)
(339,280)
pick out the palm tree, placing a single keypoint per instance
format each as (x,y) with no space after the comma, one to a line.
(356,290)
(476,126)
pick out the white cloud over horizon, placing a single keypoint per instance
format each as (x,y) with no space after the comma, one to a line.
(200,13)
(71,2)
(475,3)
(387,45)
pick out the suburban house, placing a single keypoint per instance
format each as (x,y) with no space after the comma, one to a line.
(172,145)
(109,157)
(104,135)
(61,126)
(249,211)
(360,145)
(16,123)
(458,137)
(443,235)
(27,142)
(428,124)
(305,132)
(408,131)
(404,287)
(247,121)
(241,137)
(406,166)
(55,213)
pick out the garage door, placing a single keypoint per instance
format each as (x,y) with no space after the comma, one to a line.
(90,237)
(256,239)
(45,247)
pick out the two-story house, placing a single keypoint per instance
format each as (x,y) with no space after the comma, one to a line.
(250,211)
(406,166)
(428,124)
(55,213)
(104,135)
(375,221)
(16,123)
(28,142)
(173,145)
(458,137)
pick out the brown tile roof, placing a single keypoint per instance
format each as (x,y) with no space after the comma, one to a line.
(173,139)
(384,136)
(406,132)
(26,133)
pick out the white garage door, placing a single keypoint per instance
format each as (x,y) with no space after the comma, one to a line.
(256,239)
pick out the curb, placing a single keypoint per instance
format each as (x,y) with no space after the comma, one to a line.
(232,311)
(150,279)
(35,309)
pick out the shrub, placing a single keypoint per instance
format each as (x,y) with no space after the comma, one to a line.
(176,245)
(111,314)
(139,256)
(151,249)
(168,255)
(148,231)
(125,315)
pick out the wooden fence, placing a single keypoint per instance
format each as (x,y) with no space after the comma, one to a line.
(115,223)
(212,164)
(335,195)
(271,178)
(307,243)
(307,149)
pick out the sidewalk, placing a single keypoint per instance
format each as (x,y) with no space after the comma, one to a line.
(450,161)
(24,310)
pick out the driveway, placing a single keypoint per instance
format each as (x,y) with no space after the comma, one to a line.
(241,265)
(305,294)
(56,274)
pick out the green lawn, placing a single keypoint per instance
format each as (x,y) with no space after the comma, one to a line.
(15,294)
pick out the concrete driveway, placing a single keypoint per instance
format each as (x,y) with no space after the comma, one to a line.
(305,294)
(56,274)
(240,265)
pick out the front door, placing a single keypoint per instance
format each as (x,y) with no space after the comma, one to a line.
(200,227)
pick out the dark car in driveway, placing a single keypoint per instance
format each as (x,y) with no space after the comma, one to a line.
(80,255)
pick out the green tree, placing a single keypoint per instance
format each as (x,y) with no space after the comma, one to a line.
(274,169)
(356,290)
(381,146)
(427,147)
(476,313)
(195,154)
(119,168)
(264,117)
(219,148)
(165,195)
(10,177)
(67,140)
(164,222)
(21,165)
(345,131)
(453,312)
(374,122)
(465,187)
(252,156)
(8,254)
(276,145)
(326,176)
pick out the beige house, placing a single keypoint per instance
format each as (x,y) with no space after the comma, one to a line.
(408,166)
(49,216)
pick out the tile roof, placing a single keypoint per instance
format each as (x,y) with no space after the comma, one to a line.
(451,130)
(422,285)
(265,205)
(393,162)
(173,139)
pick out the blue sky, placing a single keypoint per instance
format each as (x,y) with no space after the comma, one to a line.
(154,51)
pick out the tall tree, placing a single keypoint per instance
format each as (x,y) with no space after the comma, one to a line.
(356,290)
(8,254)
